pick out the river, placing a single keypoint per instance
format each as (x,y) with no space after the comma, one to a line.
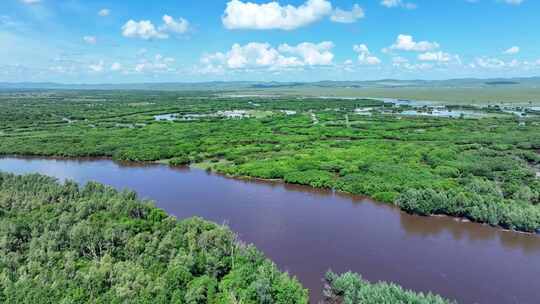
(307,231)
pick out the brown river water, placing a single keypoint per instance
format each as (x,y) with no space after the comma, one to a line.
(308,231)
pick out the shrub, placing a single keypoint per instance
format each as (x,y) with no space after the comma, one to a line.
(350,288)
(179,160)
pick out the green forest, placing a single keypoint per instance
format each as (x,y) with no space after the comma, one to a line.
(483,166)
(65,243)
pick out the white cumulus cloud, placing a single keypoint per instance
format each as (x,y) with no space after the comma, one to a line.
(143,29)
(251,55)
(272,15)
(512,51)
(489,63)
(364,55)
(407,43)
(257,55)
(398,3)
(311,53)
(171,25)
(146,30)
(435,56)
(343,16)
(158,64)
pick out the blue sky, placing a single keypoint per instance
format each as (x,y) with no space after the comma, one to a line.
(120,41)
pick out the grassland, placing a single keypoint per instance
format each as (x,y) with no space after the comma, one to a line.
(454,96)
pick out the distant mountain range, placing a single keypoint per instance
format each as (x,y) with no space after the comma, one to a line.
(243,85)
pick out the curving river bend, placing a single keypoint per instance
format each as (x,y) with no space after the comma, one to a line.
(308,231)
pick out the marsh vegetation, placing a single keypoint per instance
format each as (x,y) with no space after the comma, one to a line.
(481,169)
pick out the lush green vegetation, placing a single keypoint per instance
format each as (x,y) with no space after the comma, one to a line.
(65,244)
(61,243)
(481,169)
(350,288)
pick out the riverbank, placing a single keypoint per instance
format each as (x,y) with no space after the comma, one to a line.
(341,232)
(214,167)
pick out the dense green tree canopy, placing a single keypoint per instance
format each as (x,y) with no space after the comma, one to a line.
(483,169)
(63,244)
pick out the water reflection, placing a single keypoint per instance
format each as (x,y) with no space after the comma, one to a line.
(464,230)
